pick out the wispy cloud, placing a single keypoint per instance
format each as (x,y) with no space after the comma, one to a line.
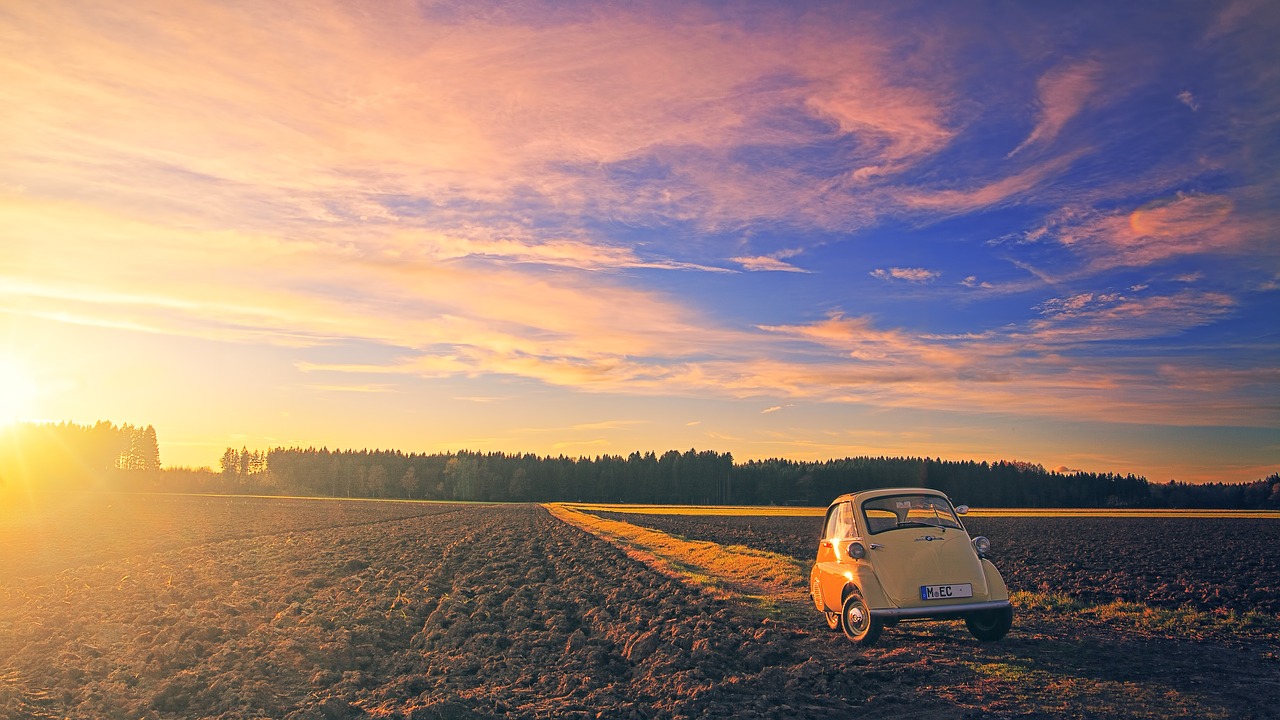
(609,425)
(364,388)
(986,195)
(465,117)
(776,262)
(1090,317)
(914,275)
(1063,93)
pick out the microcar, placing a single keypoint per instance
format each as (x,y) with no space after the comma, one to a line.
(903,554)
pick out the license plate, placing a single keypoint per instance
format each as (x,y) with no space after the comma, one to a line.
(945,592)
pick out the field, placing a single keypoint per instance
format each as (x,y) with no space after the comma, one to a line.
(177,607)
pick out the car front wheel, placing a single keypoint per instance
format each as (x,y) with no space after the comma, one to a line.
(989,625)
(857,622)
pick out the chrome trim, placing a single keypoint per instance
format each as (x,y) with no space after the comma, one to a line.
(940,610)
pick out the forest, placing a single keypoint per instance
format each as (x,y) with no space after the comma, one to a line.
(106,456)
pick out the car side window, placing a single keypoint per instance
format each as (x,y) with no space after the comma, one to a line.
(829,526)
(843,521)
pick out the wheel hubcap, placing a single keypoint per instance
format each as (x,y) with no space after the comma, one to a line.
(856,617)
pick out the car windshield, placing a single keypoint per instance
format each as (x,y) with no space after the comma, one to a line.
(907,511)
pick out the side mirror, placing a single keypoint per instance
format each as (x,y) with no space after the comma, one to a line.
(962,509)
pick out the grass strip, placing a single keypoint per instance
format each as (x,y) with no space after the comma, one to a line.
(1146,620)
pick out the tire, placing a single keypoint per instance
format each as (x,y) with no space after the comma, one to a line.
(833,621)
(857,622)
(989,625)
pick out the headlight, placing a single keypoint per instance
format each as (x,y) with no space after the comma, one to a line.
(856,551)
(982,545)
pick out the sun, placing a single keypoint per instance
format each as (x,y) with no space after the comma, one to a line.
(17,392)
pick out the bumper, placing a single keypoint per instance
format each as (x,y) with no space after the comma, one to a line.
(939,611)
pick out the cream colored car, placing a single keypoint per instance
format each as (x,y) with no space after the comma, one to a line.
(903,554)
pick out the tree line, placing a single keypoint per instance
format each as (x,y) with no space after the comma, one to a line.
(127,457)
(706,478)
(37,458)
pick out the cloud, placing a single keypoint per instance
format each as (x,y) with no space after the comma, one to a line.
(364,388)
(772,409)
(410,245)
(860,340)
(609,425)
(1185,224)
(324,113)
(85,267)
(991,194)
(1186,98)
(1093,317)
(914,275)
(972,282)
(469,196)
(775,262)
(1063,93)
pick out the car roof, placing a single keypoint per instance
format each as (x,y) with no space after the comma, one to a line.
(857,497)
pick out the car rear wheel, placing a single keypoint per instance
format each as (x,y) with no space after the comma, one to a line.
(857,622)
(989,625)
(833,620)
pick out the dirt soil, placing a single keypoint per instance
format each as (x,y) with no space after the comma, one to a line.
(315,610)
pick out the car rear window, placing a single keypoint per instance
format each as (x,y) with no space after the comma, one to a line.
(894,511)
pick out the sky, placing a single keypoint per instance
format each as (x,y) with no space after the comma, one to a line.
(1042,232)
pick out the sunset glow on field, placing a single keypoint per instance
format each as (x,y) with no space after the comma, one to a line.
(1038,231)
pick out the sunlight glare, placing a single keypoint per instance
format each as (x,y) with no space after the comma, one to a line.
(17,392)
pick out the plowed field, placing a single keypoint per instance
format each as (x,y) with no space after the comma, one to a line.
(257,608)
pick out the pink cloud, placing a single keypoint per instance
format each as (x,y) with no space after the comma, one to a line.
(1063,94)
(767,263)
(323,109)
(1185,224)
(988,195)
(914,275)
(973,282)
